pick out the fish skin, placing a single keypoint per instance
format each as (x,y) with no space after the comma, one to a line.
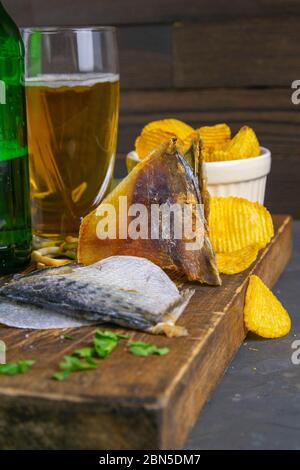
(164,177)
(20,315)
(126,290)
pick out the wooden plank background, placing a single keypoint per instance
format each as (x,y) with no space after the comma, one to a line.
(204,61)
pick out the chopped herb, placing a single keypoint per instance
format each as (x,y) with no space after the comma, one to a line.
(104,346)
(61,375)
(141,349)
(84,352)
(84,358)
(92,361)
(24,364)
(106,341)
(109,334)
(74,364)
(68,337)
(14,368)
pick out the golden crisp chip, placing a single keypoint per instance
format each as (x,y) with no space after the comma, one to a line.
(215,154)
(236,222)
(178,128)
(214,141)
(263,313)
(243,145)
(150,140)
(214,135)
(237,261)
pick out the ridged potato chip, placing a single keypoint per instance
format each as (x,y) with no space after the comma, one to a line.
(214,140)
(150,140)
(243,145)
(237,261)
(178,128)
(235,223)
(215,154)
(217,144)
(263,312)
(215,135)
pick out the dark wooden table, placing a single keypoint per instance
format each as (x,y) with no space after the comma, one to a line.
(124,405)
(257,403)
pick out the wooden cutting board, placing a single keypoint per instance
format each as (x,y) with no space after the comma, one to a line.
(131,402)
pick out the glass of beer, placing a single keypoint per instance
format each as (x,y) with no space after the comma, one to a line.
(72,93)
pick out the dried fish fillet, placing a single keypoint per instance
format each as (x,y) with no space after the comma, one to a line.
(165,177)
(125,290)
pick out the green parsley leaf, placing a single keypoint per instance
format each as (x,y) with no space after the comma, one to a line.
(92,361)
(61,375)
(81,359)
(24,364)
(14,368)
(84,352)
(162,351)
(141,349)
(105,342)
(109,334)
(104,346)
(74,364)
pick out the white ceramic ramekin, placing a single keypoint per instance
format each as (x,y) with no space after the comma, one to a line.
(243,178)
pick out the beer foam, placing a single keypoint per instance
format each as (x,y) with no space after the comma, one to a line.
(71,80)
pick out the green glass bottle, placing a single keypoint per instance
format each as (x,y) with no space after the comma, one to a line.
(15,223)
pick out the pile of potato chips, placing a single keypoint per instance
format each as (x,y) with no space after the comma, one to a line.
(217,144)
(238,230)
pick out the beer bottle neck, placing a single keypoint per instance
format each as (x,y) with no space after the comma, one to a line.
(3,13)
(10,40)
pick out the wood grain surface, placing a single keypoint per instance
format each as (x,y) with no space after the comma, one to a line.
(131,402)
(237,53)
(277,126)
(203,61)
(130,12)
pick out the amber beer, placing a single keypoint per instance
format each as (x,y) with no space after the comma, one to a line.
(72,125)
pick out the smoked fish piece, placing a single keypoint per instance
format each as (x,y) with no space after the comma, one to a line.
(164,177)
(124,290)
